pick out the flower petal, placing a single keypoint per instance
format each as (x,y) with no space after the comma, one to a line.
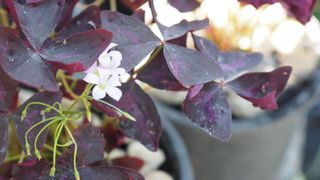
(114,81)
(119,71)
(111,45)
(91,78)
(124,77)
(115,55)
(104,74)
(98,93)
(114,92)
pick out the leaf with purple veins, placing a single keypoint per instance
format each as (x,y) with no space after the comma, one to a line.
(89,19)
(22,63)
(190,67)
(262,89)
(135,40)
(37,20)
(81,49)
(158,69)
(209,110)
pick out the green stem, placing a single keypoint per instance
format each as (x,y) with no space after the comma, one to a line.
(21,158)
(56,138)
(38,135)
(76,173)
(61,76)
(30,129)
(50,148)
(12,158)
(125,114)
(42,104)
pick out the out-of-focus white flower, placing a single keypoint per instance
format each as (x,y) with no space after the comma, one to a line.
(107,75)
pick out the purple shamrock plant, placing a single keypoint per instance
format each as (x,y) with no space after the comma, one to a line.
(91,59)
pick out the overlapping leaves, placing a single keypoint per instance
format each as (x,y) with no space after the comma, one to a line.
(206,104)
(27,61)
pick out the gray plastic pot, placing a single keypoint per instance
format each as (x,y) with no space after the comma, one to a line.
(266,147)
(178,160)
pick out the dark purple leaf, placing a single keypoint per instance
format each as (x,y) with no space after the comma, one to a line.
(133,54)
(93,172)
(4,136)
(126,29)
(158,75)
(5,170)
(190,67)
(113,135)
(301,9)
(132,4)
(134,38)
(8,90)
(22,63)
(38,21)
(28,170)
(89,19)
(81,49)
(258,3)
(185,5)
(233,63)
(34,116)
(139,14)
(128,162)
(90,142)
(207,47)
(262,89)
(147,127)
(180,29)
(209,110)
(66,14)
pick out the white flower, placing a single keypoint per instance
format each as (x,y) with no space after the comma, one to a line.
(107,75)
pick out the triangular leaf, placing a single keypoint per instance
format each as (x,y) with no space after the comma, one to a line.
(210,111)
(89,19)
(262,89)
(158,75)
(79,51)
(190,67)
(185,5)
(23,64)
(134,38)
(37,20)
(232,63)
